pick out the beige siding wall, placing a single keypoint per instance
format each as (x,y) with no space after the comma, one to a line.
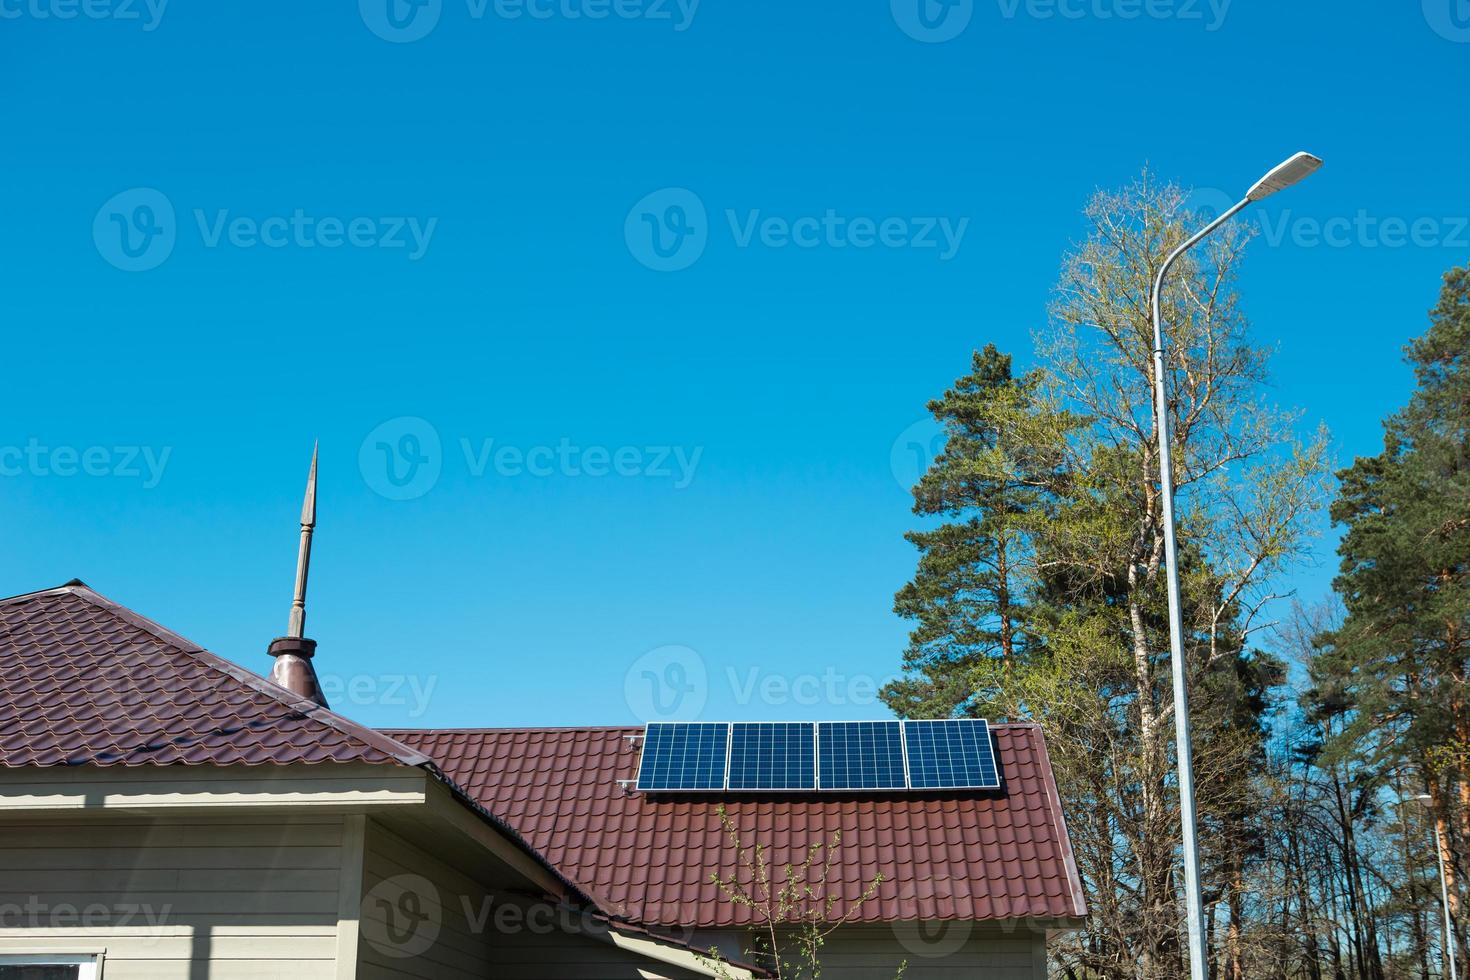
(413,920)
(177,898)
(424,919)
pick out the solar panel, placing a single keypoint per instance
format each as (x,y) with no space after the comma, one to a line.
(953,753)
(684,756)
(796,757)
(865,755)
(773,756)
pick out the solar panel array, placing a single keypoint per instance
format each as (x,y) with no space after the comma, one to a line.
(872,756)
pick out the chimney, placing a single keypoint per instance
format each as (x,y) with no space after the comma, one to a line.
(293,652)
(293,669)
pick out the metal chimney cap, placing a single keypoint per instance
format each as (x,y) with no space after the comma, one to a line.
(294,645)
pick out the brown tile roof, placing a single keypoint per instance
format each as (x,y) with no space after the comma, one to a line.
(84,681)
(970,856)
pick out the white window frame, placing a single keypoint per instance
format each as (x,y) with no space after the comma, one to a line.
(90,963)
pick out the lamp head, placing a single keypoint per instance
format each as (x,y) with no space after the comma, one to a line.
(1298,168)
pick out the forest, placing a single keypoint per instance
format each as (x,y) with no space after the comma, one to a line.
(1331,732)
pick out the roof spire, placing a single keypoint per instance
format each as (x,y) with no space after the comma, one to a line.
(293,652)
(296,627)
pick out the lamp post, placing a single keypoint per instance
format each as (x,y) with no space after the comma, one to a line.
(1288,173)
(1444,891)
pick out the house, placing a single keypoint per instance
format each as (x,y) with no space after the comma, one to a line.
(166,814)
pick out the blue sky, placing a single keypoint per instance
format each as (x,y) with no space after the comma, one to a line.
(674,463)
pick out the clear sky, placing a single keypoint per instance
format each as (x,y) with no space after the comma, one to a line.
(648,446)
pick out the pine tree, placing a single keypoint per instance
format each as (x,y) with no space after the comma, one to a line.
(1399,664)
(968,597)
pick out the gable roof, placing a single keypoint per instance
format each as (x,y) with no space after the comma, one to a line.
(965,856)
(88,682)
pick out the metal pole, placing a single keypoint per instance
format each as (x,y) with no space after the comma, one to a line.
(1197,967)
(1444,894)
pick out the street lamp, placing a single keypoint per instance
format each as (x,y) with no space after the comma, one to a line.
(1444,890)
(1290,172)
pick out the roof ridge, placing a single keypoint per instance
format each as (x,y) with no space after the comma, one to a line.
(510,730)
(494,730)
(66,586)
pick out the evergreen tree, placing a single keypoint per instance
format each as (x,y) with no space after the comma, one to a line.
(968,597)
(1398,667)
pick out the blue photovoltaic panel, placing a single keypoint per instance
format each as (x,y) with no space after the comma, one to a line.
(864,755)
(773,756)
(950,754)
(684,756)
